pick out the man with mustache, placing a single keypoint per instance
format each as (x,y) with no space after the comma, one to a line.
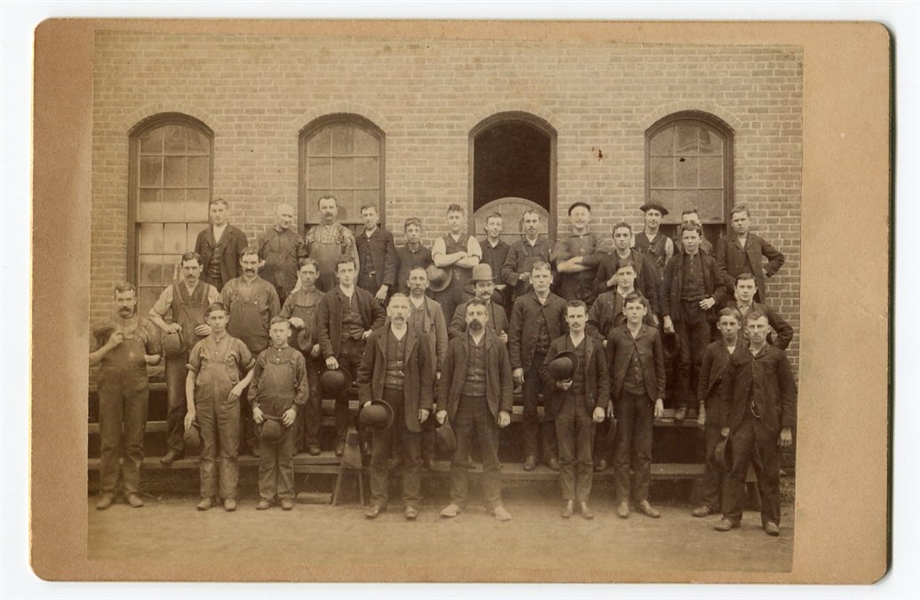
(280,247)
(185,301)
(398,368)
(328,241)
(251,303)
(220,246)
(483,288)
(476,394)
(123,347)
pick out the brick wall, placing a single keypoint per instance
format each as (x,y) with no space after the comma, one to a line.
(257,93)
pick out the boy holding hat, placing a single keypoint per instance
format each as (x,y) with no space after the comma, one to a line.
(212,394)
(637,364)
(398,368)
(579,402)
(279,391)
(483,289)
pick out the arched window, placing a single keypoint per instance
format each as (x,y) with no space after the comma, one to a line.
(688,164)
(341,155)
(169,191)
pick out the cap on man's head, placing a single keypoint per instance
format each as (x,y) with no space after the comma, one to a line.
(653,206)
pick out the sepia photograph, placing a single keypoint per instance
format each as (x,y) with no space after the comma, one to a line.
(449,302)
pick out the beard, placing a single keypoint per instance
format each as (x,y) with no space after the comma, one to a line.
(475,325)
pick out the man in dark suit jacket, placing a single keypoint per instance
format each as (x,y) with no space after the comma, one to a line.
(220,246)
(691,288)
(637,365)
(377,255)
(757,409)
(483,284)
(743,252)
(578,403)
(397,368)
(474,393)
(646,280)
(345,318)
(745,290)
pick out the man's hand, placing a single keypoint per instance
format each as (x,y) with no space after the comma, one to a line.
(189,419)
(115,339)
(173,327)
(236,392)
(518,375)
(668,324)
(604,343)
(332,363)
(503,337)
(423,414)
(440,416)
(598,416)
(525,277)
(437,376)
(504,419)
(367,333)
(701,419)
(382,292)
(289,416)
(564,385)
(314,351)
(296,322)
(257,415)
(612,282)
(659,408)
(654,320)
(152,359)
(203,330)
(785,437)
(707,303)
(724,432)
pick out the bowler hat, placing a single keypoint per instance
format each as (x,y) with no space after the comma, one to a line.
(272,430)
(482,273)
(438,278)
(376,415)
(303,340)
(654,205)
(335,382)
(724,454)
(173,344)
(192,439)
(447,441)
(563,367)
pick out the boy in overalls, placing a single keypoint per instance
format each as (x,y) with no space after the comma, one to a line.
(279,386)
(212,391)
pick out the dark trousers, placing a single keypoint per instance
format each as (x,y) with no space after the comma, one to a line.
(176,373)
(349,357)
(753,444)
(670,346)
(218,419)
(536,432)
(693,332)
(276,467)
(310,418)
(714,477)
(635,415)
(575,434)
(396,439)
(122,420)
(248,438)
(473,416)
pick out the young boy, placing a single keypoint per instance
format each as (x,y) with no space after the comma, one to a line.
(494,253)
(412,255)
(744,252)
(212,392)
(715,360)
(457,252)
(279,390)
(580,403)
(376,255)
(634,352)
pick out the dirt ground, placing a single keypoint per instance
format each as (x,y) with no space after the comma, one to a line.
(536,545)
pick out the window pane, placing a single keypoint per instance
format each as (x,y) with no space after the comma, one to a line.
(191,235)
(366,144)
(711,172)
(347,208)
(319,172)
(174,238)
(687,139)
(710,142)
(151,171)
(175,171)
(367,171)
(666,199)
(321,143)
(146,298)
(149,207)
(662,143)
(152,141)
(150,270)
(170,268)
(176,137)
(661,171)
(199,171)
(712,206)
(174,205)
(343,173)
(363,197)
(197,142)
(688,172)
(685,199)
(196,205)
(150,238)
(343,140)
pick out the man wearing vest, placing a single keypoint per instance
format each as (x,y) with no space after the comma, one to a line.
(220,247)
(744,252)
(280,247)
(251,303)
(577,256)
(476,395)
(483,289)
(328,241)
(651,241)
(524,253)
(185,302)
(458,253)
